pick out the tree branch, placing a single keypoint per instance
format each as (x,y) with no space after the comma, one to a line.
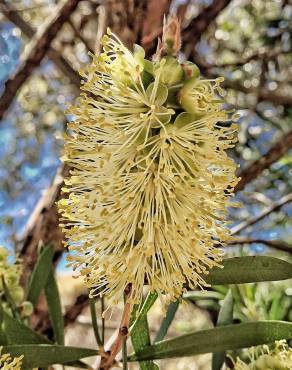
(43,225)
(192,34)
(277,97)
(12,15)
(273,155)
(274,207)
(276,244)
(35,52)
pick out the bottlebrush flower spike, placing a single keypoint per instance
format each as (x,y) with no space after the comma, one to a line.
(9,363)
(150,183)
(262,358)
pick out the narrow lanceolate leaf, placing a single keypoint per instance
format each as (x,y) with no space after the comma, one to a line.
(171,311)
(3,338)
(40,274)
(249,269)
(140,336)
(217,340)
(225,317)
(147,304)
(54,307)
(18,333)
(43,355)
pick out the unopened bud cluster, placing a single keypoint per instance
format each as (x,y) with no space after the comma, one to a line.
(262,358)
(150,179)
(7,362)
(10,275)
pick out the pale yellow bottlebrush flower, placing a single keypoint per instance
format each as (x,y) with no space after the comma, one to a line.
(7,362)
(11,273)
(262,358)
(150,182)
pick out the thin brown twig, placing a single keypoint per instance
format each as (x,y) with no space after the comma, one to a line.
(191,35)
(277,97)
(102,10)
(79,35)
(12,15)
(273,155)
(35,52)
(276,244)
(272,208)
(262,54)
(123,332)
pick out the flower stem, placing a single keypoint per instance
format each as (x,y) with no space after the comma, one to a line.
(124,352)
(94,322)
(122,333)
(102,320)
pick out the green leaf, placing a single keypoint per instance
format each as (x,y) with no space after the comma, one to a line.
(3,338)
(9,299)
(217,340)
(137,315)
(94,321)
(225,317)
(171,311)
(43,355)
(140,336)
(249,269)
(18,333)
(198,295)
(54,307)
(40,274)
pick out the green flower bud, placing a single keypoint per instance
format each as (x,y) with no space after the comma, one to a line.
(172,72)
(17,294)
(26,309)
(199,96)
(190,70)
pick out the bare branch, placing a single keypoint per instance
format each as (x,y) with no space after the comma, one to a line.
(276,244)
(12,15)
(35,52)
(274,207)
(273,155)
(43,225)
(79,35)
(192,34)
(277,97)
(258,55)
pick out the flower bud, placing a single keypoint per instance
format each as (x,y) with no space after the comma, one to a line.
(190,70)
(26,309)
(172,72)
(17,294)
(171,40)
(198,96)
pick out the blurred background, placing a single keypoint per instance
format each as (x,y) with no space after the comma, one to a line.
(43,45)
